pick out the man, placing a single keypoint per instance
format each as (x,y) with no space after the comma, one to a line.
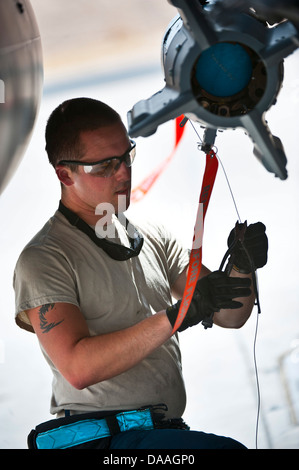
(101,307)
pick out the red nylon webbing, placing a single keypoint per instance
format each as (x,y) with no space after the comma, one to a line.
(140,191)
(195,262)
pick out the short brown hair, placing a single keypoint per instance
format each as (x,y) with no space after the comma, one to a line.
(71,118)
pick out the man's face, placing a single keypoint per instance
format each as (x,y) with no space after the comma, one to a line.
(90,190)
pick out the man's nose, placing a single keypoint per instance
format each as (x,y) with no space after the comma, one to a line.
(123,170)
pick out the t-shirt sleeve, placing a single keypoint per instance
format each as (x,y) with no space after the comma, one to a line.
(42,276)
(177,255)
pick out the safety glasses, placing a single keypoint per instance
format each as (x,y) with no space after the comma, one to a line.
(108,166)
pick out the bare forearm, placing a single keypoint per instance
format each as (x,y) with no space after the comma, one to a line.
(236,318)
(101,357)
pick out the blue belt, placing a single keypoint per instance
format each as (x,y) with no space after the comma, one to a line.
(85,430)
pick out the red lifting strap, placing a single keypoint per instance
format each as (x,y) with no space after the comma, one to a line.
(142,189)
(195,262)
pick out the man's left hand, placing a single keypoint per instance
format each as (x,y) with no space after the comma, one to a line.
(256,243)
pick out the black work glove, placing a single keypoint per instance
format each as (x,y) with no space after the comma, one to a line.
(256,243)
(212,293)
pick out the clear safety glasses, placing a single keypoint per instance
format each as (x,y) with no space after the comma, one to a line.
(108,166)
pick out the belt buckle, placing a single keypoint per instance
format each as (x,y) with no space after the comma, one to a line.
(135,419)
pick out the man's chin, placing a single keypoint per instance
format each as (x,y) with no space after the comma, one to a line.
(123,201)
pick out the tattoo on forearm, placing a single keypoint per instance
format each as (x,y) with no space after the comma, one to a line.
(44,325)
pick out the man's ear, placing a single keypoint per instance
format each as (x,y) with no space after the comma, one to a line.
(64,175)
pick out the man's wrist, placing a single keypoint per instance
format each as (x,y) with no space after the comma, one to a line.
(172,313)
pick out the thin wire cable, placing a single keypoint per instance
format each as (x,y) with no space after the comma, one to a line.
(257,382)
(230,189)
(224,172)
(257,318)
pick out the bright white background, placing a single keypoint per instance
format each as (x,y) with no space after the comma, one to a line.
(218,364)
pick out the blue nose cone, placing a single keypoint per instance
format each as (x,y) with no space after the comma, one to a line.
(224,69)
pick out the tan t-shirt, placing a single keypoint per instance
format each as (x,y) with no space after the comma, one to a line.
(61,264)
